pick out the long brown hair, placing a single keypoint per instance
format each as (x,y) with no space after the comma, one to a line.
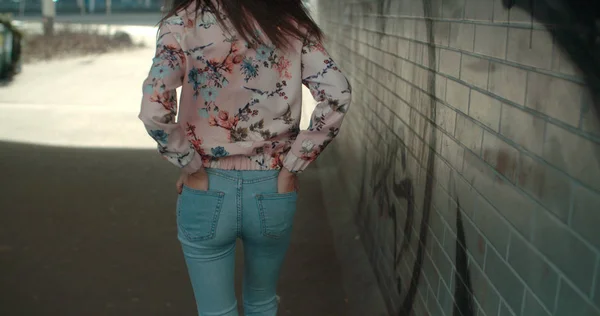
(278,19)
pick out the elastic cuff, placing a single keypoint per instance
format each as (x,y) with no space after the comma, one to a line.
(194,165)
(294,163)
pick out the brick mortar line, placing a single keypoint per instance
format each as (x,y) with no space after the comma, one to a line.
(470,256)
(491,131)
(423,299)
(441,246)
(411,152)
(429,254)
(559,271)
(541,115)
(488,242)
(484,127)
(426,118)
(517,188)
(556,295)
(488,93)
(405,124)
(575,79)
(513,24)
(524,300)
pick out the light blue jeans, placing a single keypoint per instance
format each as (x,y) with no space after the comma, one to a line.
(238,204)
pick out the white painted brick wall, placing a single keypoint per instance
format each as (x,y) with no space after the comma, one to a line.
(517,145)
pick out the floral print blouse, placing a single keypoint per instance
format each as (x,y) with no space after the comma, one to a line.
(240,102)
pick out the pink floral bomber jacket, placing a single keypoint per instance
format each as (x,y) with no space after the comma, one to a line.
(240,102)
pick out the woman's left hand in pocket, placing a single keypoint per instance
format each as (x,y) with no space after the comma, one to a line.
(196,181)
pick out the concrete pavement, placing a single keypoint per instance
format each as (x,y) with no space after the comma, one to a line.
(88,231)
(87,101)
(86,215)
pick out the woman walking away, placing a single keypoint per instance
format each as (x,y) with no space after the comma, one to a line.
(240,65)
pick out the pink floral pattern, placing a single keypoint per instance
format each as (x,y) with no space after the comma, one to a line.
(283,66)
(241,102)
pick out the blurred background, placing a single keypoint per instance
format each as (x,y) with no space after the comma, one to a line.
(465,182)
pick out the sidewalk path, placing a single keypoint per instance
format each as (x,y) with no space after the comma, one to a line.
(92,232)
(85,101)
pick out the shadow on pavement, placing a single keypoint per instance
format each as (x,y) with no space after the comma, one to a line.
(92,232)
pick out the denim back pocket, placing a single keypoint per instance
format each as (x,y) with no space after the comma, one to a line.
(276,213)
(198,213)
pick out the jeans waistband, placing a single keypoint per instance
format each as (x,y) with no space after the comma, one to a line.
(247,176)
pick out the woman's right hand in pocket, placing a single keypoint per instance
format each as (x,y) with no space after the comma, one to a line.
(197,181)
(287,182)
